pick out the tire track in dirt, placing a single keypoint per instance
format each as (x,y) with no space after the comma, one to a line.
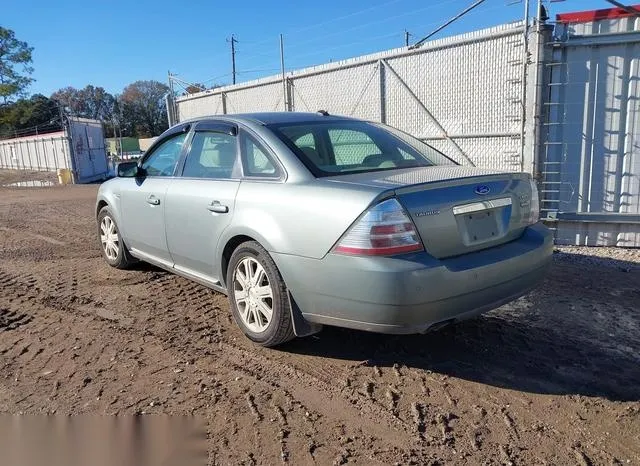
(200,299)
(47,239)
(246,360)
(11,320)
(178,292)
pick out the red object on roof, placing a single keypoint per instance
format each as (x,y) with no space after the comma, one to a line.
(594,15)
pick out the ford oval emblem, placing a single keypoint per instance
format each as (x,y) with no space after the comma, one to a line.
(482,190)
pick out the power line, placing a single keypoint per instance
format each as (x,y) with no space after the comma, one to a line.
(216,77)
(298,44)
(202,86)
(340,46)
(350,15)
(318,51)
(372,23)
(257,70)
(344,45)
(329,21)
(294,57)
(182,82)
(368,39)
(447,23)
(340,18)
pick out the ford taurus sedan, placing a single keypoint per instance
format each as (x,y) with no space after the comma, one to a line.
(307,219)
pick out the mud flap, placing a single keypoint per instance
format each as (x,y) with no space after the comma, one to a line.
(301,326)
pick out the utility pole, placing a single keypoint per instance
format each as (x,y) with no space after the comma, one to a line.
(284,79)
(170,79)
(407,34)
(233,56)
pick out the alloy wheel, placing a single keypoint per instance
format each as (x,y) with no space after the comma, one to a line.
(253,294)
(109,238)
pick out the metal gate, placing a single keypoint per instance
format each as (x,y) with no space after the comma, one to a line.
(89,152)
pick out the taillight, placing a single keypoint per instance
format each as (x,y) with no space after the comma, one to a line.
(534,213)
(384,230)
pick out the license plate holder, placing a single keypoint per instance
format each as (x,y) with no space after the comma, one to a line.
(481,226)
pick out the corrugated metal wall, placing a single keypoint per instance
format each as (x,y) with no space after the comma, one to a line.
(89,151)
(79,148)
(460,93)
(45,152)
(590,167)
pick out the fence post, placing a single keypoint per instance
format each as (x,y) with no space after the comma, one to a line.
(383,92)
(292,95)
(534,114)
(171,110)
(289,102)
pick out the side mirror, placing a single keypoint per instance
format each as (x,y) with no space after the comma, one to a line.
(128,170)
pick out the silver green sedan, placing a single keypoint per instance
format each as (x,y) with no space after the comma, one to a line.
(307,219)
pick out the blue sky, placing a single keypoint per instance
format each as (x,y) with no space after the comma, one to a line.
(113,43)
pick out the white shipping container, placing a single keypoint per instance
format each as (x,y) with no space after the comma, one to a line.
(79,148)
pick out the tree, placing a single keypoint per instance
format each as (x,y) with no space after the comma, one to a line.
(90,102)
(143,108)
(15,61)
(29,116)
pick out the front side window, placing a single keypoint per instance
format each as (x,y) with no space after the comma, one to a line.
(212,155)
(162,161)
(347,146)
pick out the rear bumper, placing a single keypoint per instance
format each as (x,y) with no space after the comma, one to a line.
(413,292)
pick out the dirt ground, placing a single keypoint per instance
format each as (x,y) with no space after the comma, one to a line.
(553,378)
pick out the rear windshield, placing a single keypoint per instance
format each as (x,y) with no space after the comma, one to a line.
(344,146)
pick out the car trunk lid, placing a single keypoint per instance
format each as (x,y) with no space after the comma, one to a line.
(458,209)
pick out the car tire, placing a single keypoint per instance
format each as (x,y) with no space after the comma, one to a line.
(113,248)
(251,271)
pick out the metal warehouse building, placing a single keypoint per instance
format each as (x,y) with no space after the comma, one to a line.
(79,147)
(558,101)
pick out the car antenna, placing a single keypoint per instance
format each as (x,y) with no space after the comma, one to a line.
(323,112)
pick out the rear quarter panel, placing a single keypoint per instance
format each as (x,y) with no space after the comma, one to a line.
(304,219)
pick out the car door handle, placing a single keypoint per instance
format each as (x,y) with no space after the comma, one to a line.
(218,208)
(153,200)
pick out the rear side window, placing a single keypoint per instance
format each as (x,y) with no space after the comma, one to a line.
(256,161)
(212,155)
(351,147)
(306,140)
(339,147)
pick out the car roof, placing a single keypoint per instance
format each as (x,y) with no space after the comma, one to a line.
(269,118)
